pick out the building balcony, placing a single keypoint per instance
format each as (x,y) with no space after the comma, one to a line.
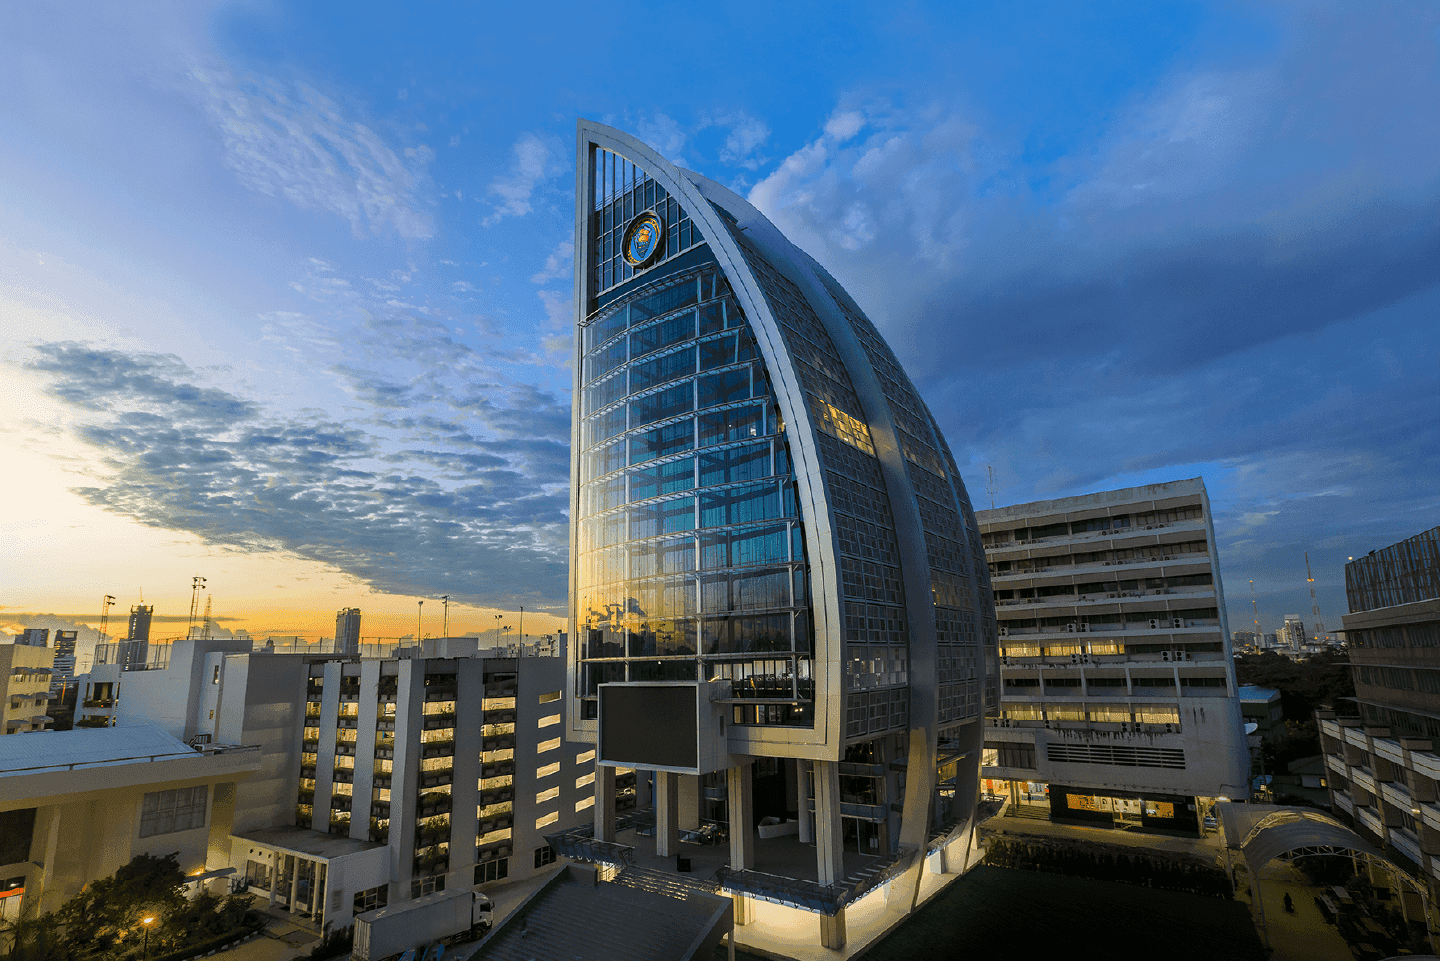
(437,749)
(99,702)
(1431,815)
(1338,765)
(1343,801)
(499,769)
(1363,778)
(1371,819)
(1148,532)
(500,742)
(1356,737)
(435,722)
(493,852)
(1426,764)
(1397,795)
(1408,844)
(1390,750)
(345,749)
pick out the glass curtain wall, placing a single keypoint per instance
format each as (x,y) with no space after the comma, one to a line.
(692,561)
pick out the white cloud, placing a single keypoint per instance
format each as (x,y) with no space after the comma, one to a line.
(298,144)
(557,308)
(746,136)
(536,160)
(663,134)
(844,125)
(557,264)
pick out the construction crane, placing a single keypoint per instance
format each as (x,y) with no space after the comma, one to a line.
(197,584)
(105,616)
(1316,627)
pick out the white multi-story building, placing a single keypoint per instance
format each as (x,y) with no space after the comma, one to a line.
(379,778)
(1383,766)
(1118,698)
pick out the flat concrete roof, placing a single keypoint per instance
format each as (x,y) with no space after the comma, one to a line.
(124,744)
(326,847)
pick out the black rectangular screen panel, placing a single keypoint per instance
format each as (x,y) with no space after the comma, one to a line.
(645,726)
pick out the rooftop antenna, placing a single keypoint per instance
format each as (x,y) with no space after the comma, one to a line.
(1255,612)
(197,584)
(991,484)
(420,606)
(1320,632)
(205,631)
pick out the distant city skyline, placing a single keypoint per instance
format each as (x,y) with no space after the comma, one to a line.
(286,289)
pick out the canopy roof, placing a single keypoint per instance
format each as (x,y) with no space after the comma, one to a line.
(1264,832)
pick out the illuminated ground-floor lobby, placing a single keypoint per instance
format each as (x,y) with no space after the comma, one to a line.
(1101,807)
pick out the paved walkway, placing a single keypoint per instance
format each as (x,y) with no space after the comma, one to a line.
(1304,935)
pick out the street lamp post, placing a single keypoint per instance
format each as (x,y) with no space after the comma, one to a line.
(147,922)
(497,629)
(419,607)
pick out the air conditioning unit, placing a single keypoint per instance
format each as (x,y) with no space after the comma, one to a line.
(1165,655)
(1176,623)
(1155,624)
(1005,631)
(1083,627)
(1071,628)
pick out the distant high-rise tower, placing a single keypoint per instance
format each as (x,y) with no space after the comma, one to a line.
(140,616)
(1293,633)
(34,637)
(347,631)
(64,659)
(135,652)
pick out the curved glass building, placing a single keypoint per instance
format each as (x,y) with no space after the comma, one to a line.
(779,597)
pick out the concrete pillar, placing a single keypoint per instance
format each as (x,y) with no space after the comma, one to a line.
(604,803)
(689,793)
(295,885)
(320,894)
(803,801)
(740,812)
(667,814)
(830,851)
(275,863)
(833,931)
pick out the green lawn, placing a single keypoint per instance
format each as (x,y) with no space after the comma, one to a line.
(1039,915)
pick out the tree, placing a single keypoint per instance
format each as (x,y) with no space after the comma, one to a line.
(109,911)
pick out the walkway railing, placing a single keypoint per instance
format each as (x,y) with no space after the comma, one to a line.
(580,845)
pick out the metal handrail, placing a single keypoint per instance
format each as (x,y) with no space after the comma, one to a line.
(238,749)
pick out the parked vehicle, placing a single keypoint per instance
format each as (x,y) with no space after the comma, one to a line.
(454,916)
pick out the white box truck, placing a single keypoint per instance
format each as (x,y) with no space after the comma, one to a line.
(452,916)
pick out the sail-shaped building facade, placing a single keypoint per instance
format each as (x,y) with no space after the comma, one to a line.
(780,604)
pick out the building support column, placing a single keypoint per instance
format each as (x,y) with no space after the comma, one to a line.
(667,814)
(295,885)
(803,801)
(740,813)
(275,863)
(604,803)
(830,850)
(320,894)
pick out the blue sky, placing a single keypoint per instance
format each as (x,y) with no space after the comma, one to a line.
(286,287)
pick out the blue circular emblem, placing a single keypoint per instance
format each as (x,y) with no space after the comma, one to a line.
(642,238)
